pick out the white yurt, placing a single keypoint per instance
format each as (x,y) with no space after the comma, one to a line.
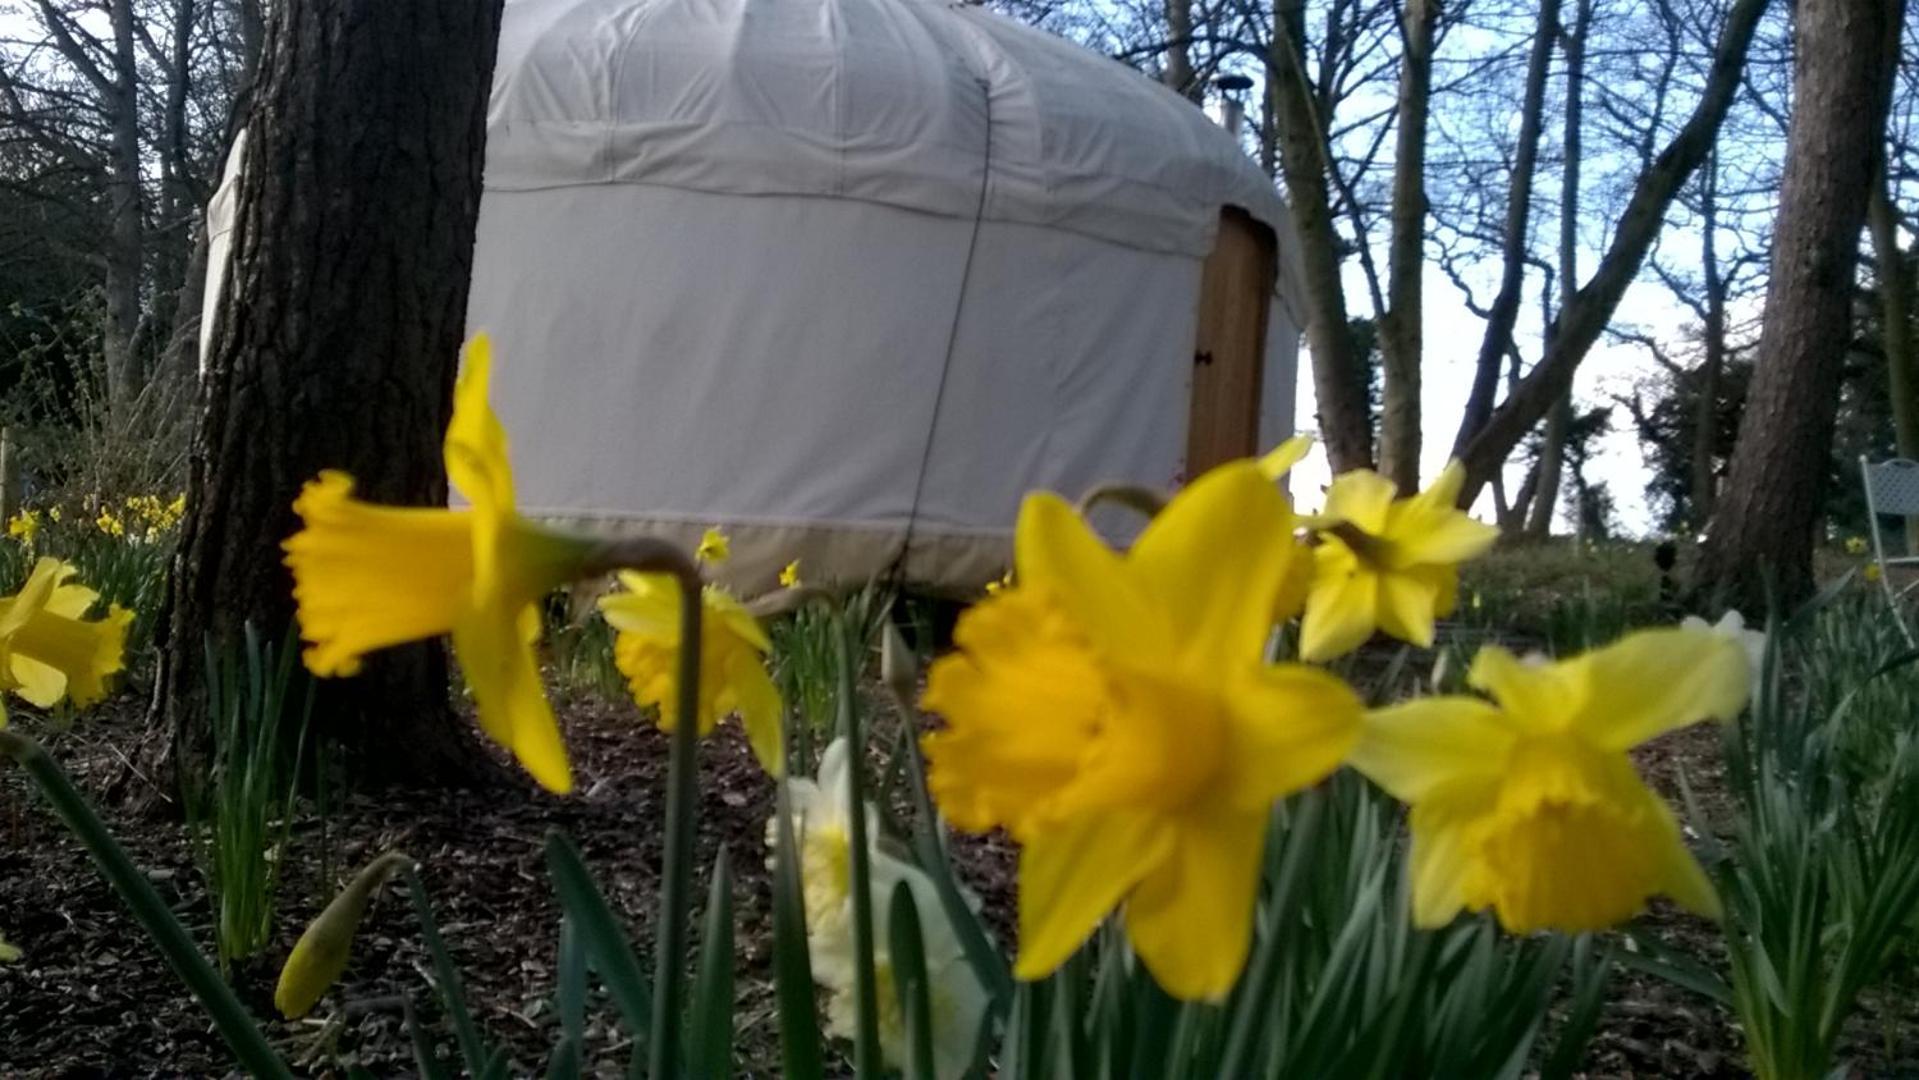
(846,278)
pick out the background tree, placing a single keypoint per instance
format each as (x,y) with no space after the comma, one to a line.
(1767,514)
(337,339)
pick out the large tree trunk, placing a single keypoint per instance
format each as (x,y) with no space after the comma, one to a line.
(1400,338)
(1486,439)
(1842,78)
(337,341)
(1339,371)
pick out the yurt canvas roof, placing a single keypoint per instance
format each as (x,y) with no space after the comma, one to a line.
(891,101)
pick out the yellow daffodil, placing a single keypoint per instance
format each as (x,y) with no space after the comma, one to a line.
(999,585)
(1385,563)
(110,524)
(24,526)
(367,577)
(1855,545)
(822,815)
(53,514)
(1280,459)
(1115,714)
(1872,573)
(733,647)
(1528,805)
(790,577)
(1291,598)
(714,548)
(49,650)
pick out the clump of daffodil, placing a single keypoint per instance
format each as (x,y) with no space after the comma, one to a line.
(790,576)
(1386,563)
(714,548)
(48,649)
(110,524)
(733,647)
(24,526)
(1528,804)
(320,956)
(367,577)
(1115,713)
(822,814)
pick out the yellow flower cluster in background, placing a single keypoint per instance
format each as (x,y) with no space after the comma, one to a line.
(137,517)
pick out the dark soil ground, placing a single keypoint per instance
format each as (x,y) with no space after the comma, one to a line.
(92,998)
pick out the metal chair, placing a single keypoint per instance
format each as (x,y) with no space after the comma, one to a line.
(1892,488)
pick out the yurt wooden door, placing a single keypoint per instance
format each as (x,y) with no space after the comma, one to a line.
(1235,297)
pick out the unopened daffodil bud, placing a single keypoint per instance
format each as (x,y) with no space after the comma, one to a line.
(321,954)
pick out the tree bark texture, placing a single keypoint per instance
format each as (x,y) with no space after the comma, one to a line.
(1764,524)
(1487,438)
(1705,434)
(1400,339)
(1339,371)
(337,342)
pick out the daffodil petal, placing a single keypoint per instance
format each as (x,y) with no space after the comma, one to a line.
(1058,553)
(1226,537)
(1292,725)
(1537,697)
(1440,866)
(1191,919)
(1417,747)
(649,606)
(1660,680)
(39,684)
(476,449)
(499,666)
(46,576)
(1280,459)
(1073,874)
(758,702)
(1362,497)
(1406,606)
(1341,607)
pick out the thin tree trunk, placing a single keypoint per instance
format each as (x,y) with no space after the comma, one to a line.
(1487,438)
(1766,518)
(1179,51)
(1504,311)
(1895,294)
(126,214)
(1400,338)
(1559,421)
(1339,371)
(337,342)
(1705,433)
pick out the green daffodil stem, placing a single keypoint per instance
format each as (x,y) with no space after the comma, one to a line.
(866,1045)
(1144,501)
(239,1030)
(651,556)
